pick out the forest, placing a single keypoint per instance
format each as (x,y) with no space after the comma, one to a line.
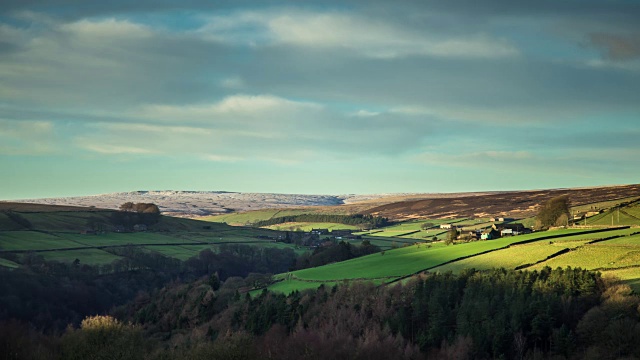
(561,313)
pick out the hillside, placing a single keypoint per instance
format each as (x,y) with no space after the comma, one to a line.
(93,236)
(518,204)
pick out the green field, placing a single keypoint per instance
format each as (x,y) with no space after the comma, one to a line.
(174,237)
(611,254)
(307,226)
(288,286)
(86,256)
(33,240)
(8,263)
(394,264)
(250,217)
(512,257)
(602,204)
(408,260)
(180,252)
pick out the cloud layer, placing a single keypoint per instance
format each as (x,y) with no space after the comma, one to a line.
(416,87)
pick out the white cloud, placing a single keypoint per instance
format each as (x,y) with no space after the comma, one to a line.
(221,158)
(107,29)
(110,149)
(365,113)
(27,137)
(262,116)
(370,37)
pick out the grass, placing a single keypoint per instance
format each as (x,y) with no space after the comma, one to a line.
(33,240)
(614,217)
(8,263)
(611,254)
(601,205)
(512,257)
(250,217)
(175,237)
(408,260)
(533,252)
(307,226)
(86,256)
(393,264)
(179,252)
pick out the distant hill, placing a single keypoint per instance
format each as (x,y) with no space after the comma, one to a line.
(518,204)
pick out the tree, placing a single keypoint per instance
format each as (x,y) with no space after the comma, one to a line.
(103,337)
(452,234)
(426,226)
(556,212)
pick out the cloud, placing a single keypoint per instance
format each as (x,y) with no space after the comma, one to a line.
(27,138)
(370,37)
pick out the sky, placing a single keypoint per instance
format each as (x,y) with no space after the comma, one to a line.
(317,97)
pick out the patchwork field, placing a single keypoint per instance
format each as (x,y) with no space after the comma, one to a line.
(394,264)
(56,235)
(307,226)
(250,217)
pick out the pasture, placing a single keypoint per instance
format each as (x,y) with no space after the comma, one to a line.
(56,236)
(250,217)
(307,226)
(395,264)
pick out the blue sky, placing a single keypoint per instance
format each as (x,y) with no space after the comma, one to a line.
(317,97)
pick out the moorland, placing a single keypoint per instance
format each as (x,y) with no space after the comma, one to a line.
(471,275)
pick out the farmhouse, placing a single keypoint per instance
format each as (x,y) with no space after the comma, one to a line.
(490,234)
(320,231)
(511,229)
(447,226)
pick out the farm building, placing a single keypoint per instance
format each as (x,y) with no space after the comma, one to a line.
(511,229)
(501,219)
(490,234)
(320,231)
(447,226)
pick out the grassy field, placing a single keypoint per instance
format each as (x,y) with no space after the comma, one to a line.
(394,264)
(602,204)
(610,254)
(33,240)
(412,230)
(86,256)
(408,260)
(512,257)
(174,237)
(307,226)
(250,217)
(8,263)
